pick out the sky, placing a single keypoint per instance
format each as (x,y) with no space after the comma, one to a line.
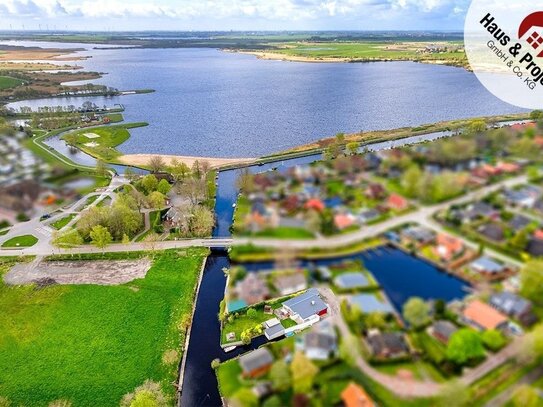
(237,15)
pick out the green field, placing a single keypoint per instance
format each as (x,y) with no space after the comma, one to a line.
(59,224)
(92,344)
(7,82)
(21,241)
(368,51)
(101,142)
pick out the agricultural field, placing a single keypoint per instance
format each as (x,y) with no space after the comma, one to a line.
(92,344)
(7,82)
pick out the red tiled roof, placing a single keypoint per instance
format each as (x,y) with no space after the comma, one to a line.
(484,315)
(396,201)
(355,396)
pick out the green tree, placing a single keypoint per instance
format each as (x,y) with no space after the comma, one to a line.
(410,181)
(416,312)
(493,339)
(352,148)
(156,200)
(101,168)
(163,187)
(303,373)
(375,320)
(526,396)
(149,183)
(246,181)
(244,397)
(531,281)
(100,237)
(477,126)
(531,348)
(465,345)
(280,376)
(519,240)
(536,115)
(201,221)
(149,394)
(454,394)
(179,170)
(67,238)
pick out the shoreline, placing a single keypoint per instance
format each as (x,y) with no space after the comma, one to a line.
(142,160)
(277,56)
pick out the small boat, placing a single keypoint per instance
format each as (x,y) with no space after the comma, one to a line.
(229,349)
(233,205)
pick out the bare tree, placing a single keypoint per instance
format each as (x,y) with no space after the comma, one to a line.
(156,163)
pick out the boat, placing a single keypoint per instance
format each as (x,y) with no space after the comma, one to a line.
(229,348)
(233,205)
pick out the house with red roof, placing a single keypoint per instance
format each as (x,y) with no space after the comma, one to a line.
(397,202)
(447,247)
(315,204)
(343,220)
(354,396)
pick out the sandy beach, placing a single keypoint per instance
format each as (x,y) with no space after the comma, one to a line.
(141,160)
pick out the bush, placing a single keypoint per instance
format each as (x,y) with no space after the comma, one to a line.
(493,340)
(215,363)
(21,217)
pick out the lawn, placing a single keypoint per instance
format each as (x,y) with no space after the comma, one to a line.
(21,241)
(7,82)
(420,370)
(101,142)
(243,322)
(229,377)
(59,224)
(92,344)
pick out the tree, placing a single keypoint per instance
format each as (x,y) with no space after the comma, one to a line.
(100,237)
(303,373)
(246,181)
(519,240)
(149,183)
(477,126)
(531,281)
(536,115)
(156,163)
(125,239)
(163,187)
(101,168)
(67,238)
(531,348)
(454,394)
(156,200)
(493,339)
(526,396)
(416,312)
(244,397)
(149,394)
(130,175)
(375,320)
(179,170)
(465,345)
(352,148)
(411,181)
(280,376)
(201,221)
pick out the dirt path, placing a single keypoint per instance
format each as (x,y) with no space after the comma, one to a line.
(141,160)
(101,272)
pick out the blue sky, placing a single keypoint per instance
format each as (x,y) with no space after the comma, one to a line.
(181,15)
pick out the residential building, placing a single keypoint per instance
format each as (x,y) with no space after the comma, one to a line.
(349,281)
(289,283)
(514,306)
(486,265)
(306,307)
(355,396)
(442,330)
(387,345)
(320,343)
(448,247)
(252,289)
(482,316)
(256,363)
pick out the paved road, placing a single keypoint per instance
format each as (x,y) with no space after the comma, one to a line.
(422,215)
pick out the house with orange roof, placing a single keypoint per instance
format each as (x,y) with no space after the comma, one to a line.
(397,202)
(482,316)
(447,247)
(521,127)
(508,168)
(315,204)
(354,396)
(344,220)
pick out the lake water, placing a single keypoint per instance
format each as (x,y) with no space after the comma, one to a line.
(213,103)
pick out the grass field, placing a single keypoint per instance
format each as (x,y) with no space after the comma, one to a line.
(93,344)
(372,51)
(101,142)
(7,82)
(21,241)
(59,224)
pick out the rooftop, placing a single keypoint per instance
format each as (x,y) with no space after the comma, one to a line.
(306,304)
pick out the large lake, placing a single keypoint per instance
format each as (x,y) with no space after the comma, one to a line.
(212,103)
